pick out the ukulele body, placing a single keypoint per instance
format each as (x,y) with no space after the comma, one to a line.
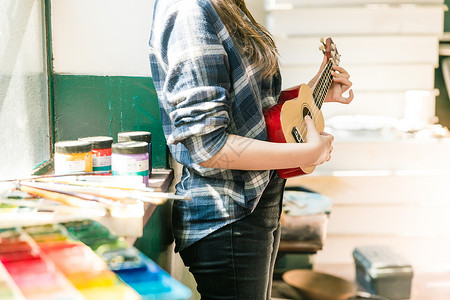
(285,122)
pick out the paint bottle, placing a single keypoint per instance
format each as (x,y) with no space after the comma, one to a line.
(73,157)
(130,158)
(138,136)
(101,152)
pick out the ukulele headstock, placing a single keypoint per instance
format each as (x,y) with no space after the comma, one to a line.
(329,49)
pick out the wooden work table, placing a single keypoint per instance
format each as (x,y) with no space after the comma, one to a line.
(160,180)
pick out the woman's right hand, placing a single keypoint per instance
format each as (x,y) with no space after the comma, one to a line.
(322,142)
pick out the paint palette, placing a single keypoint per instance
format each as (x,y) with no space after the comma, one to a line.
(78,260)
(123,215)
(134,268)
(35,276)
(8,289)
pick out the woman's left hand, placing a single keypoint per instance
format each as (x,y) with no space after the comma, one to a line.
(340,85)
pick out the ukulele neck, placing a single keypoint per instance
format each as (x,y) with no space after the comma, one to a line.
(323,85)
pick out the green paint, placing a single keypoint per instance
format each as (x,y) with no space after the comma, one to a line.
(86,105)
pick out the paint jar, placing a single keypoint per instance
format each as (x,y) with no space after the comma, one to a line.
(138,136)
(130,158)
(101,152)
(73,157)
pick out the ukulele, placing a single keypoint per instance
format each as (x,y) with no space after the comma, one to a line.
(285,120)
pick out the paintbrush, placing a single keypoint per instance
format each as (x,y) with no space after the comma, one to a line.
(113,182)
(136,191)
(114,195)
(63,209)
(72,199)
(56,175)
(122,196)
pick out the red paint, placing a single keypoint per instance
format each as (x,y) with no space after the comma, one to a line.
(31,272)
(15,250)
(101,152)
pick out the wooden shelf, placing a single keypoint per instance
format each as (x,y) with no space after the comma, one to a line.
(306,247)
(160,180)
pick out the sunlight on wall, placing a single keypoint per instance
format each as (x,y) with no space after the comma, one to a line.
(102,37)
(24,125)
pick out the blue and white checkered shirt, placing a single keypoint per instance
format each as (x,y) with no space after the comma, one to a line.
(207,90)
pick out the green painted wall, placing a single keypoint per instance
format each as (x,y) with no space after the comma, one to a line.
(86,105)
(157,235)
(447,17)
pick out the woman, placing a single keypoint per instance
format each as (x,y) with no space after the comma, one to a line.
(215,69)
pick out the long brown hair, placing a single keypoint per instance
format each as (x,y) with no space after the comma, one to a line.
(256,42)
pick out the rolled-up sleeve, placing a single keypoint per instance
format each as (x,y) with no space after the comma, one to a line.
(195,91)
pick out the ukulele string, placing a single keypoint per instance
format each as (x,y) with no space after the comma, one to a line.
(322,88)
(327,87)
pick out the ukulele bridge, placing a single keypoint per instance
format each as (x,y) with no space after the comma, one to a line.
(296,135)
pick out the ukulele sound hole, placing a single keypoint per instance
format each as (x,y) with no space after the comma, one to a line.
(306,112)
(296,135)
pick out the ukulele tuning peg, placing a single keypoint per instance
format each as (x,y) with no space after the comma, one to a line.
(322,40)
(322,48)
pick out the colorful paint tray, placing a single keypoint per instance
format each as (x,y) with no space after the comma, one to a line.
(80,260)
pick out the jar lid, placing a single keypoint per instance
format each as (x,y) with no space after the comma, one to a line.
(98,142)
(141,136)
(73,147)
(130,148)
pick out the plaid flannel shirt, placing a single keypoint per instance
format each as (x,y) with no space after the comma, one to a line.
(206,90)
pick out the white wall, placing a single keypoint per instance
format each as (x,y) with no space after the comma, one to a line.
(102,37)
(24,121)
(388,49)
(256,8)
(387,188)
(108,37)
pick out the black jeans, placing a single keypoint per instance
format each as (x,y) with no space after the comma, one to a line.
(236,261)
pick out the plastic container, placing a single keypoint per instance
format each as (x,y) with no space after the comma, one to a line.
(73,157)
(130,158)
(138,136)
(101,152)
(383,272)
